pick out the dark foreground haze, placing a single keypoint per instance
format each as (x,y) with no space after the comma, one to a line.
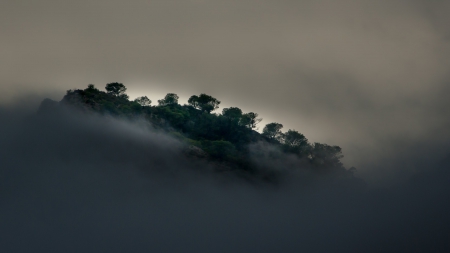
(83,183)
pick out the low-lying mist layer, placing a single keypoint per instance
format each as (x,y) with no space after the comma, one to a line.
(72,182)
(227,138)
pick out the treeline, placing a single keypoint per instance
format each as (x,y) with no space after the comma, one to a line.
(224,137)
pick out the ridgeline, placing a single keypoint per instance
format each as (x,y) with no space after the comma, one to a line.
(223,139)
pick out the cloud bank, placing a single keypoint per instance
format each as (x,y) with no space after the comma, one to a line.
(72,183)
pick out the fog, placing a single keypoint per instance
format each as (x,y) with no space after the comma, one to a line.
(72,182)
(369,76)
(353,73)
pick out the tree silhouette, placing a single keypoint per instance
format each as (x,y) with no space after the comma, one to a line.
(143,101)
(91,87)
(293,138)
(326,156)
(250,120)
(232,113)
(295,142)
(224,138)
(204,102)
(169,99)
(273,131)
(116,89)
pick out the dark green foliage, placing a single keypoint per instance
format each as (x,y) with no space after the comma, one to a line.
(116,89)
(293,138)
(326,156)
(172,115)
(204,102)
(225,138)
(295,142)
(232,113)
(94,99)
(222,150)
(250,120)
(273,131)
(143,101)
(92,87)
(169,99)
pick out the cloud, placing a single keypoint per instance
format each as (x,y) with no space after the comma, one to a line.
(74,183)
(368,76)
(348,73)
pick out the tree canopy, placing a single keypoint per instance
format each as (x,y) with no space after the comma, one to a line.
(293,138)
(204,102)
(116,89)
(143,101)
(232,113)
(273,131)
(169,99)
(223,137)
(250,120)
(326,156)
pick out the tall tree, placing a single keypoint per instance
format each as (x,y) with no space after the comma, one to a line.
(326,156)
(232,113)
(143,101)
(92,87)
(250,120)
(293,138)
(169,99)
(204,102)
(273,131)
(296,142)
(116,89)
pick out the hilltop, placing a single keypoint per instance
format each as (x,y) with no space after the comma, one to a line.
(219,138)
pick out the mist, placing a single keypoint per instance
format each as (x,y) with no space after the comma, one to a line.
(369,76)
(74,182)
(353,73)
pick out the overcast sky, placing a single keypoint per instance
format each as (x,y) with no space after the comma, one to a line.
(369,76)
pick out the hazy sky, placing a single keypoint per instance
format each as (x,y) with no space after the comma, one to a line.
(370,76)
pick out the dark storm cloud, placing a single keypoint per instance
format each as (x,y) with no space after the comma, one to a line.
(369,76)
(84,183)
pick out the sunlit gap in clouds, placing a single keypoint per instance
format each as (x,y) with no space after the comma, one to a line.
(156,90)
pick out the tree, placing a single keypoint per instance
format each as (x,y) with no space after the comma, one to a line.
(293,138)
(219,149)
(250,120)
(169,99)
(273,131)
(326,156)
(296,142)
(232,113)
(204,102)
(116,89)
(143,101)
(91,87)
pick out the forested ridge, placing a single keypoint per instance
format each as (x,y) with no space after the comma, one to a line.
(222,138)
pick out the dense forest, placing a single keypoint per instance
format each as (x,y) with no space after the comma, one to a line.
(221,138)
